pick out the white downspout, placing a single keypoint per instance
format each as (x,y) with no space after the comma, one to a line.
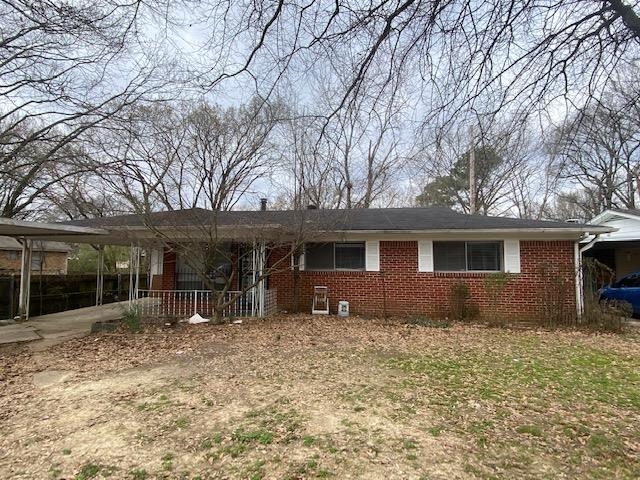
(579,275)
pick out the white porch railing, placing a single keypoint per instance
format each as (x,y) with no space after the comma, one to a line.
(185,303)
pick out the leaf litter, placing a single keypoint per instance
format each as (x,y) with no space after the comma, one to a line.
(298,396)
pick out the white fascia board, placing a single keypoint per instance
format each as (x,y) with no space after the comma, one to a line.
(489,234)
(611,214)
(22,228)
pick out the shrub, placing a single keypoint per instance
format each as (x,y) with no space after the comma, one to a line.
(131,319)
(494,286)
(460,303)
(424,321)
(552,296)
(606,315)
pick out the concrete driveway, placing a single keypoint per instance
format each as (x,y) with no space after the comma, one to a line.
(57,327)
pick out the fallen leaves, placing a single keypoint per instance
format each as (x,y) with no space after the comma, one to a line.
(368,398)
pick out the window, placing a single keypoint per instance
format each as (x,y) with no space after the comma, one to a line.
(36,261)
(218,266)
(467,256)
(632,281)
(13,255)
(319,256)
(350,256)
(335,256)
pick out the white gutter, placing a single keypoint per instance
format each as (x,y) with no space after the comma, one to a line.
(431,231)
(579,274)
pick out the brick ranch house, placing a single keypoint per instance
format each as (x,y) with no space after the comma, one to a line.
(382,261)
(48,258)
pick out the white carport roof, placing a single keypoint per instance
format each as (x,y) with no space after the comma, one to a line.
(49,231)
(37,231)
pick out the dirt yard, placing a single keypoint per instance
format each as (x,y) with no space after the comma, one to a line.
(302,397)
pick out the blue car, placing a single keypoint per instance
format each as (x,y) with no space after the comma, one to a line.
(626,289)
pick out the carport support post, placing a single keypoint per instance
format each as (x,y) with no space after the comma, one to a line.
(25,279)
(261,283)
(134,273)
(254,296)
(100,276)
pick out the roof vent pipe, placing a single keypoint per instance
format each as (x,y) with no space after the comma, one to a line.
(263,204)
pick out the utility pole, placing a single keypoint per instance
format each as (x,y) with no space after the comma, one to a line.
(472,174)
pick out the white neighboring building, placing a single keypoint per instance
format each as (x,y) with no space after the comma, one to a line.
(619,250)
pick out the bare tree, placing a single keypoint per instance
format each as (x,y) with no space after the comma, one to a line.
(533,187)
(522,54)
(351,162)
(62,74)
(228,152)
(29,172)
(193,161)
(599,150)
(367,146)
(312,174)
(580,205)
(177,156)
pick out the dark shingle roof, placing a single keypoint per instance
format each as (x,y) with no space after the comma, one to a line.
(377,219)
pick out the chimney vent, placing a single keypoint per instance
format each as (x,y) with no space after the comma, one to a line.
(263,204)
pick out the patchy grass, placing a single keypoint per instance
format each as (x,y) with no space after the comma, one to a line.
(301,397)
(138,474)
(91,470)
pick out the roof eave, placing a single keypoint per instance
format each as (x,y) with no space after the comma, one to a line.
(595,229)
(609,214)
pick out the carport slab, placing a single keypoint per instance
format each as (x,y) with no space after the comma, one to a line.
(57,327)
(17,333)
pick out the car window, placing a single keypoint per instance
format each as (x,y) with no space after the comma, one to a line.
(630,281)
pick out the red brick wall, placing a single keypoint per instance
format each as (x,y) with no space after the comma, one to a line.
(169,270)
(400,289)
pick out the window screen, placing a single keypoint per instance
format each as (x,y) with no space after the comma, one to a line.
(467,256)
(215,264)
(484,256)
(36,261)
(335,256)
(319,256)
(349,256)
(449,256)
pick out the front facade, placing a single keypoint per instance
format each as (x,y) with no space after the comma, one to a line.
(404,277)
(411,261)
